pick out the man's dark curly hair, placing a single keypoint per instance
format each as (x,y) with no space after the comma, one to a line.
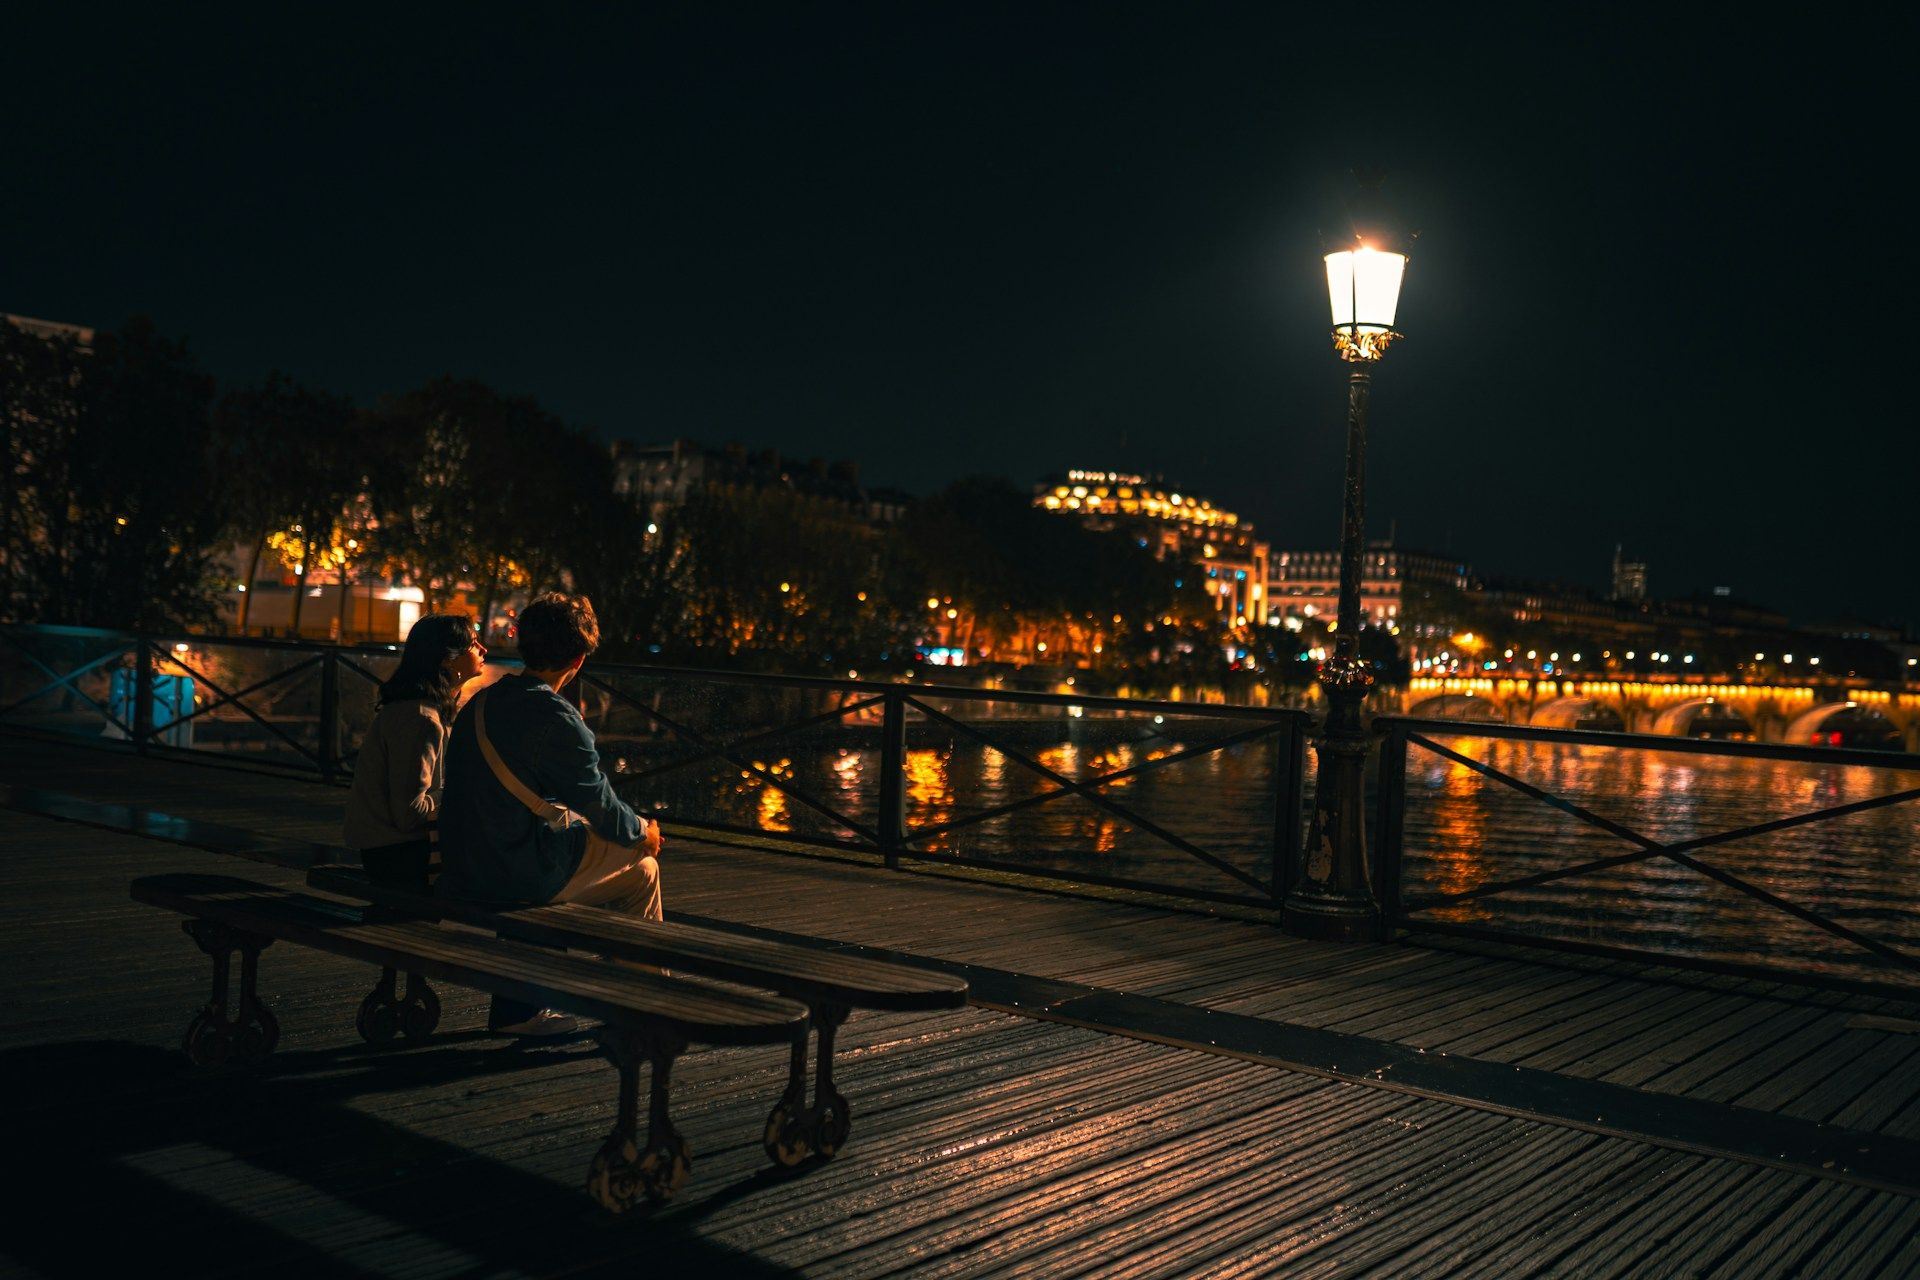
(555,629)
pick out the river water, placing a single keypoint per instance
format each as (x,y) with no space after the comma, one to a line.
(1860,871)
(1462,830)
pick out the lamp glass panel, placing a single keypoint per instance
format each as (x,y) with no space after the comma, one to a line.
(1364,287)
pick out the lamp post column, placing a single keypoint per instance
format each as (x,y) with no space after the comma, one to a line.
(1332,898)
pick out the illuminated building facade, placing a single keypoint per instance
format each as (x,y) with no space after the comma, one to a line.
(1402,590)
(1176,525)
(81,334)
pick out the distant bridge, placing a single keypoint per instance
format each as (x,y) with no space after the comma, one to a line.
(1829,714)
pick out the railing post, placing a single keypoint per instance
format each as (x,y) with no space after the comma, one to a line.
(329,716)
(1389,826)
(893,778)
(142,690)
(1289,804)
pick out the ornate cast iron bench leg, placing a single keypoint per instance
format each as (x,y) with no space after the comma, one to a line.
(796,1131)
(789,1135)
(218,1034)
(622,1171)
(832,1120)
(385,1013)
(420,1009)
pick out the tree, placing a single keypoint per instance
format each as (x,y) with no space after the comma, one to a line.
(113,509)
(637,575)
(434,502)
(292,460)
(488,491)
(771,575)
(1017,577)
(40,400)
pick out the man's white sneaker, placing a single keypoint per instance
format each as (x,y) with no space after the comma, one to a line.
(547,1022)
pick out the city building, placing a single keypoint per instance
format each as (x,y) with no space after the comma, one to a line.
(1629,576)
(660,477)
(1554,629)
(80,333)
(1410,593)
(1175,525)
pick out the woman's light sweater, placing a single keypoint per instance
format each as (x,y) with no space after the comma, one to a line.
(397,779)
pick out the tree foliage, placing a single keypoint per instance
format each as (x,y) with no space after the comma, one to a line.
(1012,571)
(293,463)
(125,475)
(488,490)
(767,575)
(112,510)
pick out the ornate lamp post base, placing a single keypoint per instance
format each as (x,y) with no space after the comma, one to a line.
(1332,900)
(1330,919)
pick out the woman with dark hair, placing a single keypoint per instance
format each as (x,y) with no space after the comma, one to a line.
(395,801)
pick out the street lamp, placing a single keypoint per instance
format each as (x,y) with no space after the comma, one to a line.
(1331,898)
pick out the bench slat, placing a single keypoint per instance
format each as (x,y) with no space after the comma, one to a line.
(716,953)
(515,969)
(871,984)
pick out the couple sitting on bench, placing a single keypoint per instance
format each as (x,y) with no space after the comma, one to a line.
(526,813)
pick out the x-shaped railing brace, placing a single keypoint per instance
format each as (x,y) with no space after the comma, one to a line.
(66,681)
(235,697)
(1677,851)
(1065,786)
(712,750)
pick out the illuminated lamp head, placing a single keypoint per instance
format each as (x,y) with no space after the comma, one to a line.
(1363,286)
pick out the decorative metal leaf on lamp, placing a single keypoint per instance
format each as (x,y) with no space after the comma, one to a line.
(1363,284)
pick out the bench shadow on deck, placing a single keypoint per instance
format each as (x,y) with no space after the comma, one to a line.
(131,1123)
(983,1142)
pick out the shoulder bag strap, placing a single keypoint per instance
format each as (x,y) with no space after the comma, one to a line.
(555,816)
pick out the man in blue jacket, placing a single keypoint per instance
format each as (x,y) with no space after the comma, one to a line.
(528,817)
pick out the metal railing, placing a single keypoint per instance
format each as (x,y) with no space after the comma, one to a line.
(1753,858)
(1199,801)
(276,703)
(1051,785)
(1743,857)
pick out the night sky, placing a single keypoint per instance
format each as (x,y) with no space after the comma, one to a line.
(1658,297)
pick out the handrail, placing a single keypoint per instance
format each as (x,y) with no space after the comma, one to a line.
(916,687)
(772,680)
(1655,742)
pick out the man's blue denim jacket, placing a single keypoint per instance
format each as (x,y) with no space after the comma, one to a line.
(493,849)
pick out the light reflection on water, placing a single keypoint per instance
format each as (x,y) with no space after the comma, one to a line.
(1861,870)
(929,788)
(1453,862)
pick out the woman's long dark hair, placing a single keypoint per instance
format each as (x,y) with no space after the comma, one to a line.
(423,671)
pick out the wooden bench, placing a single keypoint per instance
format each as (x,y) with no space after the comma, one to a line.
(645,1016)
(830,985)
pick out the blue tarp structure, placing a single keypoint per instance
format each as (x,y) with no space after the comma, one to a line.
(172,704)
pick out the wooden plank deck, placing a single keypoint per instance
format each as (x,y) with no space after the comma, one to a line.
(984,1144)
